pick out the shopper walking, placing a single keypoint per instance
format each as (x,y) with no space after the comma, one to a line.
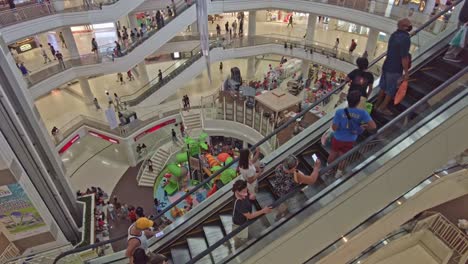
(25,73)
(396,65)
(242,211)
(52,50)
(118,48)
(160,77)
(44,54)
(188,100)
(226,26)
(221,66)
(62,39)
(182,129)
(234,27)
(454,51)
(248,171)
(96,103)
(353,46)
(348,124)
(130,75)
(109,99)
(120,78)
(116,99)
(290,21)
(218,30)
(175,140)
(111,211)
(94,46)
(59,56)
(337,43)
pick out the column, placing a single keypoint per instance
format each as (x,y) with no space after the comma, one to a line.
(86,90)
(142,73)
(70,42)
(371,44)
(251,68)
(311,23)
(252,23)
(245,144)
(305,69)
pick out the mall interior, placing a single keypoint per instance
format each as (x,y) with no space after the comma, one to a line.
(124,115)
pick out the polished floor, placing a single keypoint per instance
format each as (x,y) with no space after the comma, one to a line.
(68,103)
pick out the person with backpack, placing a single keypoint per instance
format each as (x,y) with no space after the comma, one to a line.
(348,124)
(361,80)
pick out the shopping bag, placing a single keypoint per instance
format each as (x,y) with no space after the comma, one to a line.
(400,95)
(369,107)
(459,38)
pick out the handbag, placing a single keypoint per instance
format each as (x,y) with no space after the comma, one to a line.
(459,38)
(400,94)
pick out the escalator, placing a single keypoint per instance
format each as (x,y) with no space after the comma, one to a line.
(427,77)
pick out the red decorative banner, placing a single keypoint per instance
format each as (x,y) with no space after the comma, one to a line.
(69,144)
(154,128)
(101,136)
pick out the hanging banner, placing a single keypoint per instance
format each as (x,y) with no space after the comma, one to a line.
(18,216)
(202,19)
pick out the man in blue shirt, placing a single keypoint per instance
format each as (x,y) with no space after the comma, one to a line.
(396,65)
(348,123)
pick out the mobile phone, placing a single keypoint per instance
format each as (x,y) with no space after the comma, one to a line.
(159,234)
(314,157)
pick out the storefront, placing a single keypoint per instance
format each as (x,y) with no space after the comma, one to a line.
(24,45)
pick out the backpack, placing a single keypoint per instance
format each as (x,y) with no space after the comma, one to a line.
(352,124)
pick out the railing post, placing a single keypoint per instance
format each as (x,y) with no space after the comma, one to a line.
(224,107)
(245,104)
(253,118)
(261,122)
(235,111)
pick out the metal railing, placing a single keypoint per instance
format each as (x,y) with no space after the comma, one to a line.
(447,232)
(34,10)
(331,167)
(11,251)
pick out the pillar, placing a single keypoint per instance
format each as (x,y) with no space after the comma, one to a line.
(332,23)
(252,23)
(371,44)
(311,23)
(86,90)
(142,73)
(305,69)
(70,41)
(245,144)
(251,68)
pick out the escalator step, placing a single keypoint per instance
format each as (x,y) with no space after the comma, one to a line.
(450,66)
(226,220)
(265,198)
(196,246)
(180,255)
(213,234)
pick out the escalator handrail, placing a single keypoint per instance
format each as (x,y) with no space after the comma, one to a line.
(252,148)
(326,169)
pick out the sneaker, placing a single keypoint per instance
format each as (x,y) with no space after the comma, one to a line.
(452,59)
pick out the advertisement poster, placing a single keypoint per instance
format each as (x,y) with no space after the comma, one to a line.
(18,216)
